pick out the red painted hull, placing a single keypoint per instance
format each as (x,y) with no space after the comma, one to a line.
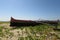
(15,22)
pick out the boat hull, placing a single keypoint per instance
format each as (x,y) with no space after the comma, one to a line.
(15,22)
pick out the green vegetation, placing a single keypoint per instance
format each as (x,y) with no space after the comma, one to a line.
(38,32)
(1,22)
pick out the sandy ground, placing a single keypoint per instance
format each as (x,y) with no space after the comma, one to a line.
(16,32)
(21,33)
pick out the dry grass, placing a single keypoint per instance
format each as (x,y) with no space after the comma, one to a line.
(39,32)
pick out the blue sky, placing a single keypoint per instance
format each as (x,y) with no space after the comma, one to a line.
(29,9)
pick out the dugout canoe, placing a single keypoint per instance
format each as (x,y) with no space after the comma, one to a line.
(16,22)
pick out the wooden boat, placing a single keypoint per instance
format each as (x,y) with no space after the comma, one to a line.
(15,22)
